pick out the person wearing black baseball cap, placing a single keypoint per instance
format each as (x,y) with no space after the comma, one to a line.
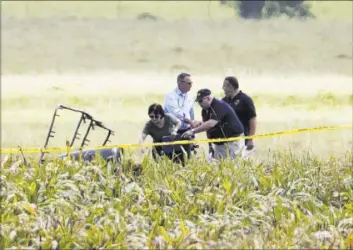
(219,121)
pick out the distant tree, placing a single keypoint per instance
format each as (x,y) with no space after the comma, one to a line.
(289,8)
(259,9)
(251,9)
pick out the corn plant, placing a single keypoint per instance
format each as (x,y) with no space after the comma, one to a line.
(290,201)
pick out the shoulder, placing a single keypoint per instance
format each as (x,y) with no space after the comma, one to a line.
(171,94)
(170,117)
(147,127)
(225,99)
(220,106)
(221,103)
(148,124)
(245,97)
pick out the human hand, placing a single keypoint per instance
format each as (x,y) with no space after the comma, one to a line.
(173,135)
(195,124)
(211,150)
(143,150)
(250,144)
(174,132)
(188,133)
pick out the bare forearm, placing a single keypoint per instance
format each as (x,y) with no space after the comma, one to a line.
(252,126)
(204,126)
(142,138)
(185,120)
(177,126)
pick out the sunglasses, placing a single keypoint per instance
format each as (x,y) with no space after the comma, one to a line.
(155,116)
(188,83)
(200,101)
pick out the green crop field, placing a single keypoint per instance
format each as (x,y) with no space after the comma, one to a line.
(295,191)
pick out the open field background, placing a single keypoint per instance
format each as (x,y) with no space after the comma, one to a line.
(123,107)
(100,58)
(92,56)
(71,39)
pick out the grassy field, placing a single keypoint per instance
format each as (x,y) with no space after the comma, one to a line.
(294,192)
(124,109)
(79,40)
(288,202)
(166,10)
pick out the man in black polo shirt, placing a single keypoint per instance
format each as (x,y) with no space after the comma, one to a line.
(243,106)
(220,121)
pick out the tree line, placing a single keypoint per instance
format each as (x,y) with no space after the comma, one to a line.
(259,9)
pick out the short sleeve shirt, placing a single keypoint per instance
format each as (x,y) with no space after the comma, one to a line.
(158,133)
(244,107)
(228,123)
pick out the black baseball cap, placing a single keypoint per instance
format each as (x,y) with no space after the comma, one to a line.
(202,93)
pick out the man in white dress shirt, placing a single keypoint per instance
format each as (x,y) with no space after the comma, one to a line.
(180,103)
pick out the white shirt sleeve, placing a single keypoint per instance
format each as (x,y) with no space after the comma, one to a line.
(171,106)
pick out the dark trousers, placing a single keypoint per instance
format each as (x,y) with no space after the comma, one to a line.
(176,154)
(187,147)
(156,151)
(176,157)
(246,133)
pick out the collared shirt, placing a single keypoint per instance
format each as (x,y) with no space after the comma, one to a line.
(244,107)
(228,124)
(181,105)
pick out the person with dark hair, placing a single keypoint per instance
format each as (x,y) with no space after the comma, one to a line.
(243,105)
(160,125)
(219,121)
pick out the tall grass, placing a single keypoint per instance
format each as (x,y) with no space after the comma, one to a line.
(285,202)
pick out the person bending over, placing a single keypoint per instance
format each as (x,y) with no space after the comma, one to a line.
(160,124)
(220,121)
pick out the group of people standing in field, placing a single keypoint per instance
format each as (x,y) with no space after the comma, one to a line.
(232,116)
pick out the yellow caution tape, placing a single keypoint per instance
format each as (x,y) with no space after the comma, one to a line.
(65,149)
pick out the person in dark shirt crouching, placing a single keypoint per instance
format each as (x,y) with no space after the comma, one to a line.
(243,105)
(220,121)
(160,125)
